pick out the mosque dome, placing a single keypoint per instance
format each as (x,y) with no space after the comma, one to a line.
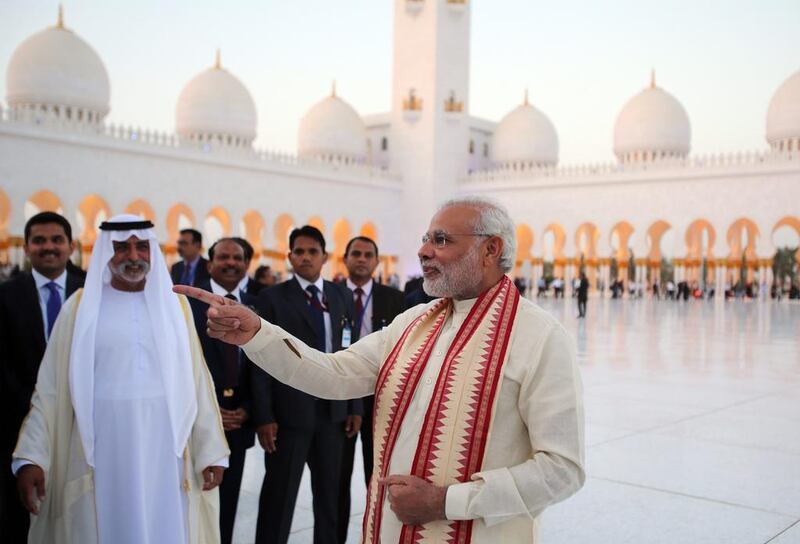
(332,129)
(56,71)
(783,116)
(525,137)
(216,107)
(652,125)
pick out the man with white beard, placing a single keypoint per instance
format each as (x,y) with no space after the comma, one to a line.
(123,442)
(478,419)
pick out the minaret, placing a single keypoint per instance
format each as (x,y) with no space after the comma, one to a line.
(429,138)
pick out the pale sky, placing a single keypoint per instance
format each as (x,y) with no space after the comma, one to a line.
(581,59)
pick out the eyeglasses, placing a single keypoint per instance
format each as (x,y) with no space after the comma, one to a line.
(440,239)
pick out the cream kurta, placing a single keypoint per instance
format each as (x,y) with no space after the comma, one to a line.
(49,438)
(534,456)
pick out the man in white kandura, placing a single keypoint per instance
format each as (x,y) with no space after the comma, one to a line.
(478,419)
(123,442)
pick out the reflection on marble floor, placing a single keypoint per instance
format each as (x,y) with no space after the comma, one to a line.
(692,428)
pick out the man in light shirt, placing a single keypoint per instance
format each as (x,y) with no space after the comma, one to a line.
(478,402)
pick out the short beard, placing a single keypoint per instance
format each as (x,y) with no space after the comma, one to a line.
(122,270)
(459,280)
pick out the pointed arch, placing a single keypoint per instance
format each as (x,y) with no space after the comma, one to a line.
(695,250)
(317,223)
(92,211)
(252,229)
(216,225)
(5,213)
(524,242)
(559,240)
(654,235)
(141,208)
(368,229)
(284,223)
(341,235)
(623,231)
(42,201)
(179,217)
(586,237)
(742,237)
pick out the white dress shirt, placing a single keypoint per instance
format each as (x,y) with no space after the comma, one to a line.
(217,289)
(366,300)
(320,283)
(44,293)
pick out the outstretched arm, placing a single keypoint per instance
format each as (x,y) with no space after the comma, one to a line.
(337,376)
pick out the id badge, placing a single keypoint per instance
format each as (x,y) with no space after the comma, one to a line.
(346,336)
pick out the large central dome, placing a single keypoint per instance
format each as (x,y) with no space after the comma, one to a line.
(56,71)
(216,107)
(651,126)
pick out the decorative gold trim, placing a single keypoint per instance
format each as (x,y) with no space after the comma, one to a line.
(451,105)
(412,103)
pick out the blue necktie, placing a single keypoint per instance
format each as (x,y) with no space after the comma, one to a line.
(53,305)
(318,315)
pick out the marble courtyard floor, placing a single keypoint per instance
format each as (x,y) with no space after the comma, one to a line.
(692,428)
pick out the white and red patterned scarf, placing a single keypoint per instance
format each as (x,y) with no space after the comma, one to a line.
(458,421)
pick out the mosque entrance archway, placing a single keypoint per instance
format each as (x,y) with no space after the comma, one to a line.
(317,223)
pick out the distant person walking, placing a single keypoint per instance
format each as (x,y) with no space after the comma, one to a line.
(583,294)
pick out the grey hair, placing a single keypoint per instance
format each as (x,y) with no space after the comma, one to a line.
(493,219)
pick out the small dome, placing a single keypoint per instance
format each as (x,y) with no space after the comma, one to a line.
(652,125)
(56,68)
(332,129)
(783,115)
(216,106)
(525,137)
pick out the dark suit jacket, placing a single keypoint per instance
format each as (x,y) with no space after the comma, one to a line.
(387,303)
(22,347)
(200,272)
(245,396)
(285,305)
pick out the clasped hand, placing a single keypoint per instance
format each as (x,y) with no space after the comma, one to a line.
(413,500)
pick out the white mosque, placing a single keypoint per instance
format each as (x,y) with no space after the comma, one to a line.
(382,175)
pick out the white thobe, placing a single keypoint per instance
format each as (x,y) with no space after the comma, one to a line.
(137,479)
(535,452)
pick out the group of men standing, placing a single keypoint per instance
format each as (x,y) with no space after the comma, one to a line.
(145,397)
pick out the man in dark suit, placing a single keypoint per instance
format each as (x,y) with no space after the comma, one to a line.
(375,307)
(232,373)
(298,428)
(29,304)
(193,268)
